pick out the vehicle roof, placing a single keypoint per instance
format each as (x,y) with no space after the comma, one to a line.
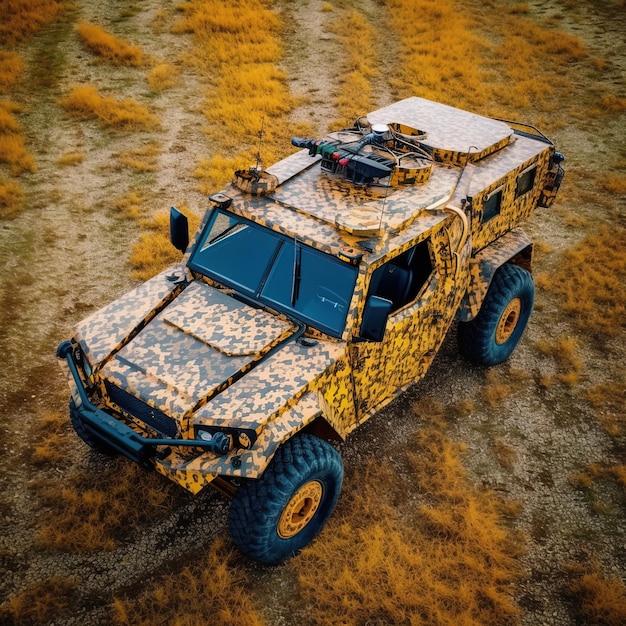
(447,128)
(315,206)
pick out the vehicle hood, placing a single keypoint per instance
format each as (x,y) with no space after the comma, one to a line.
(196,347)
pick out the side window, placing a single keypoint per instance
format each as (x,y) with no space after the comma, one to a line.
(491,204)
(525,181)
(401,279)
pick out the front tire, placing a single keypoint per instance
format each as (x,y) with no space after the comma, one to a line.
(493,334)
(275,516)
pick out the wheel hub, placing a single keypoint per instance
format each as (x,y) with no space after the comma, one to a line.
(508,321)
(300,509)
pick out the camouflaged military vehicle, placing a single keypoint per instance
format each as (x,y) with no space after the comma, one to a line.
(313,293)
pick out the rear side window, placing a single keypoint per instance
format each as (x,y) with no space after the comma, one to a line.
(525,181)
(491,204)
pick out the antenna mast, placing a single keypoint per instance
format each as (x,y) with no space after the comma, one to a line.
(259,163)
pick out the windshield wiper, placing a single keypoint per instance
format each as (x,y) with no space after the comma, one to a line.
(231,230)
(297,264)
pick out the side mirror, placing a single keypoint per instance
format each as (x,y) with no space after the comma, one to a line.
(375,316)
(179,230)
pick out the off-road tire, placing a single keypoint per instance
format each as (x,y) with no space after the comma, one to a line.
(275,516)
(493,334)
(93,442)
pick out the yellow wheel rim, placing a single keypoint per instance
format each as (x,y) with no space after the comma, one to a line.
(508,321)
(300,509)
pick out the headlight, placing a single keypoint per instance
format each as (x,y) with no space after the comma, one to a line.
(222,440)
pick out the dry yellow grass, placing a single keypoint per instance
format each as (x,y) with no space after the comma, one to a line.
(91,511)
(238,33)
(13,150)
(86,102)
(357,39)
(20,19)
(237,50)
(154,252)
(11,199)
(45,601)
(442,56)
(141,159)
(213,590)
(49,440)
(591,282)
(11,68)
(71,158)
(613,103)
(14,153)
(613,472)
(163,76)
(439,56)
(131,206)
(109,47)
(615,183)
(599,599)
(427,549)
(565,352)
(608,400)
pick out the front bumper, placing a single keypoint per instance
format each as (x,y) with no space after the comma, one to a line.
(109,430)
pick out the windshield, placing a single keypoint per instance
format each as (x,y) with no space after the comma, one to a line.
(282,272)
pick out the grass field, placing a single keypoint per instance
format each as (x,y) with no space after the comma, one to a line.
(478,497)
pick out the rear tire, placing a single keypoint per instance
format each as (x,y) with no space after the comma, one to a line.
(275,516)
(493,334)
(93,442)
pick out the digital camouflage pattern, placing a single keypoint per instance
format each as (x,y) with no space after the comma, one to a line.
(183,357)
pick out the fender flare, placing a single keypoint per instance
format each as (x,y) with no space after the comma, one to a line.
(514,246)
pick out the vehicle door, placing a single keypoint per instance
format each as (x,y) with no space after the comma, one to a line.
(420,285)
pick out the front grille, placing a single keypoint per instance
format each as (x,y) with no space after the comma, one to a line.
(139,409)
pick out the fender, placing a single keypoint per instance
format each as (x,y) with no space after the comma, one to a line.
(513,246)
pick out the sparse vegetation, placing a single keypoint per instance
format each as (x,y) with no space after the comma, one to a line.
(608,400)
(45,601)
(591,282)
(565,352)
(214,588)
(163,76)
(71,158)
(86,102)
(358,39)
(11,199)
(131,206)
(247,93)
(89,512)
(20,19)
(154,251)
(600,599)
(109,47)
(427,549)
(141,159)
(50,440)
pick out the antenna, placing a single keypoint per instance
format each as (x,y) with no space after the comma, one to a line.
(259,163)
(382,209)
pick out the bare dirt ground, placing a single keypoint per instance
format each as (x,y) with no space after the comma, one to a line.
(67,255)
